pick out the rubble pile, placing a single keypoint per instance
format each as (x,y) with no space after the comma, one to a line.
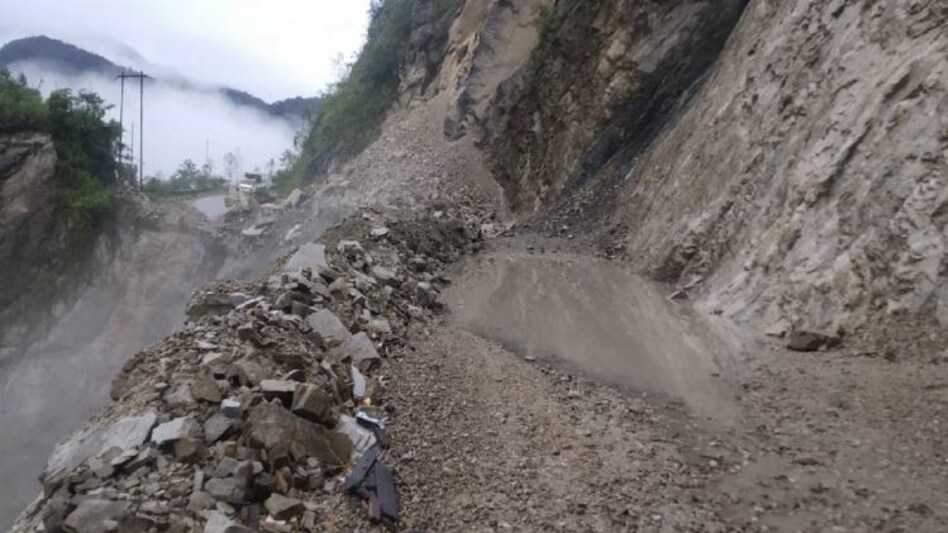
(269,401)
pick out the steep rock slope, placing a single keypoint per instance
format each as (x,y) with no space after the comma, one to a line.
(799,174)
(807,179)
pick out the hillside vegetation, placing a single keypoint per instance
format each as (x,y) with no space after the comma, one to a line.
(87,174)
(355,107)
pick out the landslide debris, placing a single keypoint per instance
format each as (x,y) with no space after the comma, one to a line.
(251,416)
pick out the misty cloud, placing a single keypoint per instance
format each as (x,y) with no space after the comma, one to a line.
(179,123)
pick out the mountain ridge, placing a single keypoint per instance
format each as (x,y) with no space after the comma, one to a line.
(73,60)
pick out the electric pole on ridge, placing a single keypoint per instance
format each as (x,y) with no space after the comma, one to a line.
(141,120)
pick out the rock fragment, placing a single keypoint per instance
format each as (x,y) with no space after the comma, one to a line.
(92,514)
(173,430)
(271,425)
(361,351)
(282,508)
(811,341)
(310,255)
(327,328)
(282,390)
(205,389)
(217,427)
(313,403)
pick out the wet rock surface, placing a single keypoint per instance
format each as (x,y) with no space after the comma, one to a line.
(251,415)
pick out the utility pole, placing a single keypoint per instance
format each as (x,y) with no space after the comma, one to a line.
(141,130)
(122,120)
(141,120)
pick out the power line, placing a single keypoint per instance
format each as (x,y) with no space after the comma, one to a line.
(141,120)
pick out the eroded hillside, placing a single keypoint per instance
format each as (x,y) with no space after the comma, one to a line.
(756,348)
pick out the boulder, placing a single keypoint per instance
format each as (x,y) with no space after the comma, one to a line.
(188,450)
(282,508)
(427,296)
(180,396)
(282,390)
(327,328)
(360,351)
(229,490)
(811,341)
(126,434)
(231,408)
(350,249)
(313,403)
(386,275)
(91,515)
(310,255)
(217,427)
(205,389)
(293,199)
(218,522)
(270,425)
(173,430)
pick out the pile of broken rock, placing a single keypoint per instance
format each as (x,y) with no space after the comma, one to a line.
(268,403)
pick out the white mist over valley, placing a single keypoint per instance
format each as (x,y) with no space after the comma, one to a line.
(180,123)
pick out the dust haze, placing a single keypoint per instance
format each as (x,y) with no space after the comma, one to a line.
(180,123)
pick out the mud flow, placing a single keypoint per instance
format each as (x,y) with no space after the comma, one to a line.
(602,321)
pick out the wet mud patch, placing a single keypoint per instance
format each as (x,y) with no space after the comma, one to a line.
(603,321)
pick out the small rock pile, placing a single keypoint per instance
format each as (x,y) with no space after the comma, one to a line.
(248,418)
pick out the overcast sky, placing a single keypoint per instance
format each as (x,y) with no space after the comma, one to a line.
(273,49)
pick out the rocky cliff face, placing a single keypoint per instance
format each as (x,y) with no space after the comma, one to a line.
(784,161)
(27,161)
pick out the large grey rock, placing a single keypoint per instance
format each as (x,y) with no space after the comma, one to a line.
(217,426)
(218,522)
(129,432)
(811,341)
(126,434)
(328,328)
(278,388)
(180,396)
(313,403)
(230,490)
(360,350)
(310,255)
(91,515)
(386,275)
(282,508)
(204,388)
(269,425)
(350,249)
(293,199)
(173,430)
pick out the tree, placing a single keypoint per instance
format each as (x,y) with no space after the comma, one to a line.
(188,171)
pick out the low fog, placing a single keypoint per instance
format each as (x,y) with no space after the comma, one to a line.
(180,123)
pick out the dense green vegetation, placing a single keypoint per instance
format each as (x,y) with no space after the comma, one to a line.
(355,107)
(87,174)
(187,180)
